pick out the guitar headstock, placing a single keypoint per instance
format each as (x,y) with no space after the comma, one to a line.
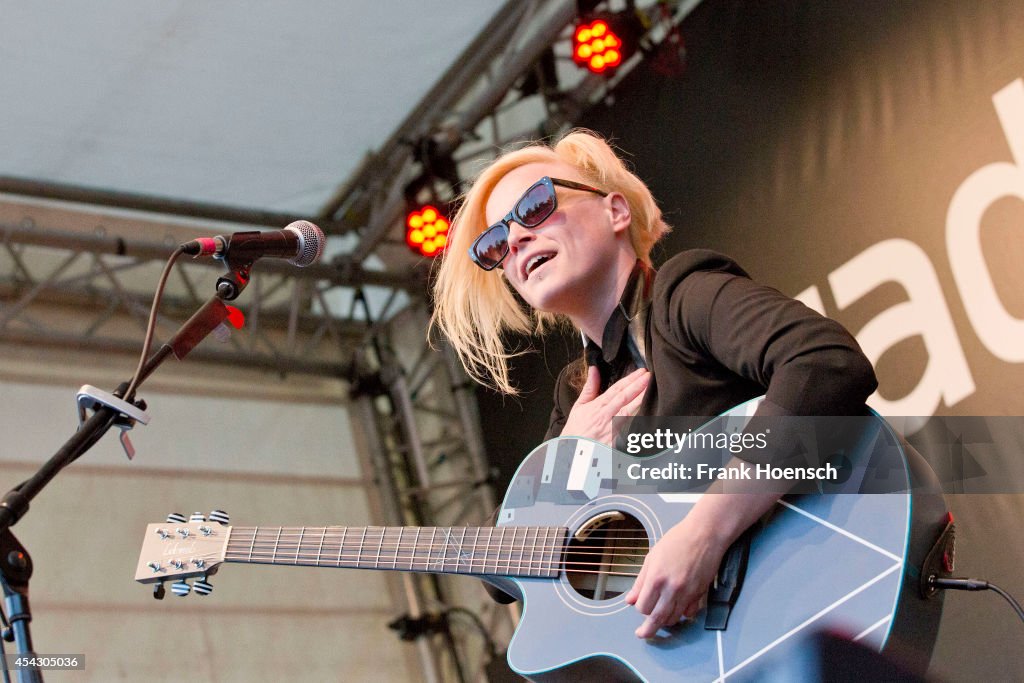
(178,550)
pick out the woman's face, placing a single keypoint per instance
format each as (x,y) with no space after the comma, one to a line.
(563,263)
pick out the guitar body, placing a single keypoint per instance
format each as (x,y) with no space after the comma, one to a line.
(841,560)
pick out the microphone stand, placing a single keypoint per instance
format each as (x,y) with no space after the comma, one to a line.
(15,563)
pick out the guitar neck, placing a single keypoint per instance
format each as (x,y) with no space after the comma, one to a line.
(502,551)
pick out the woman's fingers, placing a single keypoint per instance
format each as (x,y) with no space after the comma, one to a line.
(627,389)
(592,388)
(630,408)
(665,613)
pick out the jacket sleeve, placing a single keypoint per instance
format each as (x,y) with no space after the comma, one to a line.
(807,363)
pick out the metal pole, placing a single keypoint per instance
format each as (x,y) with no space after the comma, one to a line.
(387,498)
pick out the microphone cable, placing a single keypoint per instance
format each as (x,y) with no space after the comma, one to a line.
(147,343)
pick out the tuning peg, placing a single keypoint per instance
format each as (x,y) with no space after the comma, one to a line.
(180,588)
(220,517)
(176,518)
(202,586)
(197,517)
(158,590)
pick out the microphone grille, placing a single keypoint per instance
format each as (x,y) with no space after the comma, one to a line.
(311,242)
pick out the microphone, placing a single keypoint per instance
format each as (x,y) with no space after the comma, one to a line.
(300,242)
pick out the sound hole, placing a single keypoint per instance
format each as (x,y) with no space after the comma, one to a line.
(605,556)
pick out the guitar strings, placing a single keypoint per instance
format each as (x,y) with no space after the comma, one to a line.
(313,542)
(412,550)
(327,549)
(412,557)
(408,554)
(483,569)
(380,546)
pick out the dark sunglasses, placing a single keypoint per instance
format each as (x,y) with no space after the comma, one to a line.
(533,208)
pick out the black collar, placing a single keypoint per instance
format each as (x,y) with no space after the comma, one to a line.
(635,300)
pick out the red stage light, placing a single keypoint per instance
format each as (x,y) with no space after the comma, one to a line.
(426,231)
(596,46)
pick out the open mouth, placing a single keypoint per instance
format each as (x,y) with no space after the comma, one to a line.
(536,261)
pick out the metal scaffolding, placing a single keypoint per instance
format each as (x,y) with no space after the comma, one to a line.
(64,283)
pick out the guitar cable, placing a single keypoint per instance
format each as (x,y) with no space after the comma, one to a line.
(962,584)
(492,649)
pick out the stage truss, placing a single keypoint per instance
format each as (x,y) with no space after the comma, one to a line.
(78,266)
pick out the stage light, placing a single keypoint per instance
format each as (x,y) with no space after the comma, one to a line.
(598,46)
(426,230)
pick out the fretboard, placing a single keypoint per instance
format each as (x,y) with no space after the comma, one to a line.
(505,551)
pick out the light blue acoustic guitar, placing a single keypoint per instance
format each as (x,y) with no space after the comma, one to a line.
(572,534)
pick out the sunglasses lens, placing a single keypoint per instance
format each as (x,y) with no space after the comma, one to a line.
(491,246)
(535,206)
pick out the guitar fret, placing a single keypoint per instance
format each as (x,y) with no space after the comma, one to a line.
(518,547)
(255,530)
(533,553)
(359,550)
(398,548)
(277,541)
(430,548)
(476,546)
(341,544)
(444,550)
(553,551)
(298,546)
(544,543)
(512,549)
(554,561)
(542,565)
(462,548)
(415,547)
(320,550)
(380,546)
(524,564)
(501,548)
(548,544)
(490,537)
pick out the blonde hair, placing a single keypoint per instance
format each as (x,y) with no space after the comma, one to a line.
(476,309)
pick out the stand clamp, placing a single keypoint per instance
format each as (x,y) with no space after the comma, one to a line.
(90,398)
